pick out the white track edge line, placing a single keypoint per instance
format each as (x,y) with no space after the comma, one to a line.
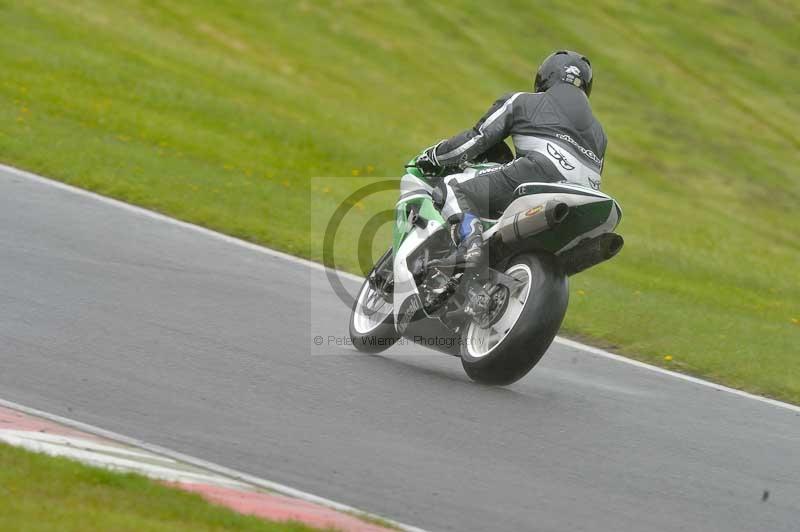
(203,464)
(682,376)
(314,265)
(141,211)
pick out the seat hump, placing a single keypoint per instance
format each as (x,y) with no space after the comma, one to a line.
(526,189)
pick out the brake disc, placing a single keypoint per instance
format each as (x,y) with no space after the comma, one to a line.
(498,301)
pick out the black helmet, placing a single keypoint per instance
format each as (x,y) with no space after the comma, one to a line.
(564,66)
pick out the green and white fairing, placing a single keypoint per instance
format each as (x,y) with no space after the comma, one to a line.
(416,195)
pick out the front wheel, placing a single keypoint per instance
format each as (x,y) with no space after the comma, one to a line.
(505,350)
(372,320)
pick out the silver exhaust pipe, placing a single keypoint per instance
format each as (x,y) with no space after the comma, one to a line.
(533,221)
(556,212)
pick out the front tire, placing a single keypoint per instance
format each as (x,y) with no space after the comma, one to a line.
(507,350)
(372,319)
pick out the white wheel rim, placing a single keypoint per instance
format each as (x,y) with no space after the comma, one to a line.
(371,310)
(483,340)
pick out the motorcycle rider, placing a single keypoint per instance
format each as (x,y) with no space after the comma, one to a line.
(556,138)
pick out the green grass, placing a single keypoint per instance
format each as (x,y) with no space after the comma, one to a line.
(221,112)
(39,492)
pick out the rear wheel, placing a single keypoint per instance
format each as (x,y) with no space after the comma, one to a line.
(372,319)
(504,349)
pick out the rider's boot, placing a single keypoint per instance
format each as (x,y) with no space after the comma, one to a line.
(468,235)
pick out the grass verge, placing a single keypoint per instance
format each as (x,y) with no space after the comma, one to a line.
(39,492)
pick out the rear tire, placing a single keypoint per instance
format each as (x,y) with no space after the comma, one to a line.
(372,318)
(506,351)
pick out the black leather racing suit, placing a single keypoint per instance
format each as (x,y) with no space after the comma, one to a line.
(556,138)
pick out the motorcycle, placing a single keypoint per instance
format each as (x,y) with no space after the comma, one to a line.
(499,320)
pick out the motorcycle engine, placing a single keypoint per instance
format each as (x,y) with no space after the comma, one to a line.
(435,289)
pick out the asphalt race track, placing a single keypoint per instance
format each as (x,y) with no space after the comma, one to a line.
(165,334)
